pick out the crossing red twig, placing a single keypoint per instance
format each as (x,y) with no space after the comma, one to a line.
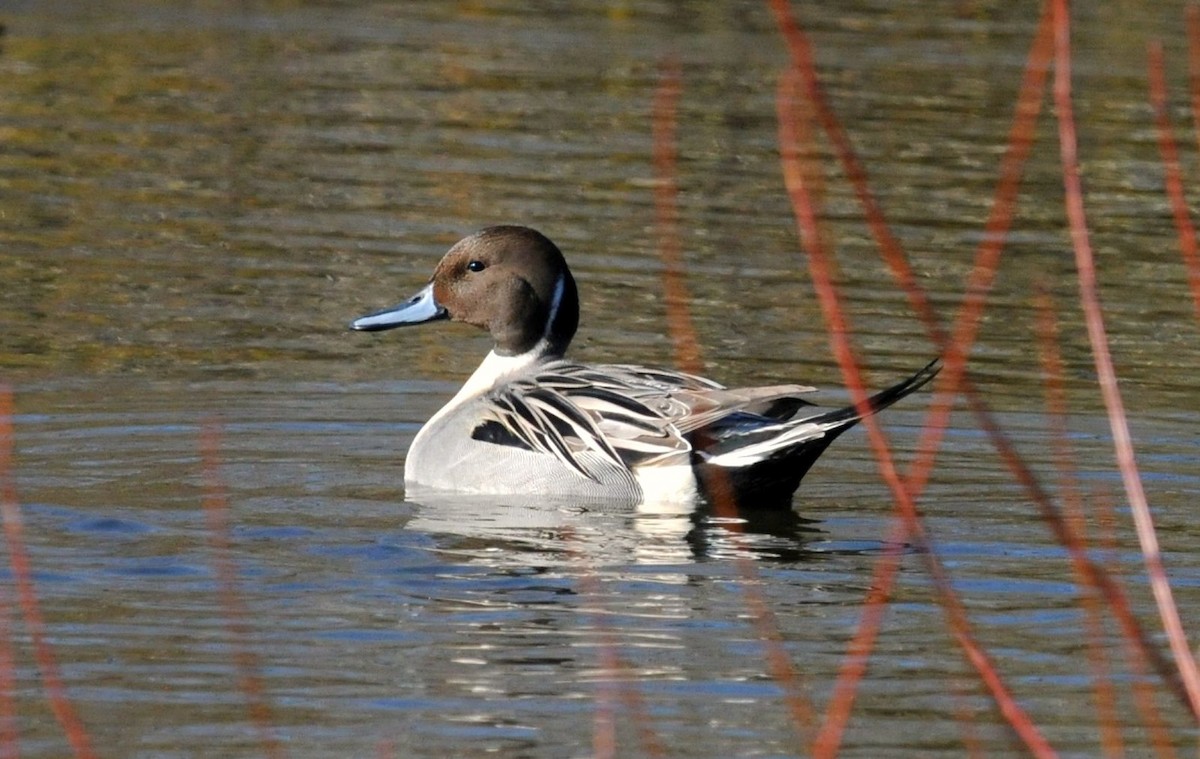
(1098,337)
(956,345)
(821,266)
(35,624)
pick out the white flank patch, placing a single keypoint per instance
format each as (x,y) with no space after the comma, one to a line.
(666,485)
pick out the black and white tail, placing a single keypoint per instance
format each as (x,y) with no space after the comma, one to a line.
(774,457)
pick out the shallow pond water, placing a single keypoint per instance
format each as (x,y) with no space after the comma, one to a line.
(195,198)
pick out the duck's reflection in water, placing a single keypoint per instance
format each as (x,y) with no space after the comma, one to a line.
(511,528)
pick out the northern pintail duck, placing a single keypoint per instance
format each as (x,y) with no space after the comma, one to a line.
(530,421)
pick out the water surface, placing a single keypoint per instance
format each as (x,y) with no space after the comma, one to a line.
(195,198)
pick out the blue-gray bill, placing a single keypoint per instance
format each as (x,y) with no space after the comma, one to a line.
(418,309)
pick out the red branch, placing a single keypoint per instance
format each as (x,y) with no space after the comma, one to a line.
(1089,297)
(666,211)
(822,268)
(9,733)
(1193,35)
(688,357)
(216,512)
(1173,175)
(10,510)
(618,683)
(953,378)
(1091,598)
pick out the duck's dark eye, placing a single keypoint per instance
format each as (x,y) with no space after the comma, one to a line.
(476,266)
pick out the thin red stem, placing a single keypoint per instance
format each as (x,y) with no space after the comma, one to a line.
(216,512)
(953,379)
(1193,35)
(829,738)
(1056,406)
(618,685)
(1172,174)
(1143,694)
(666,207)
(1097,336)
(822,269)
(10,511)
(688,357)
(9,734)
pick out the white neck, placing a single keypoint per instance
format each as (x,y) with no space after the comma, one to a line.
(495,369)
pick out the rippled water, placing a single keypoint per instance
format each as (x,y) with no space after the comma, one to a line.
(195,198)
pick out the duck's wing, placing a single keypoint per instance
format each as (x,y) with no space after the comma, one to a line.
(568,410)
(694,403)
(625,415)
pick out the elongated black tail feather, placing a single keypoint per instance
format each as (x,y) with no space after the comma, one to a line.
(882,399)
(775,479)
